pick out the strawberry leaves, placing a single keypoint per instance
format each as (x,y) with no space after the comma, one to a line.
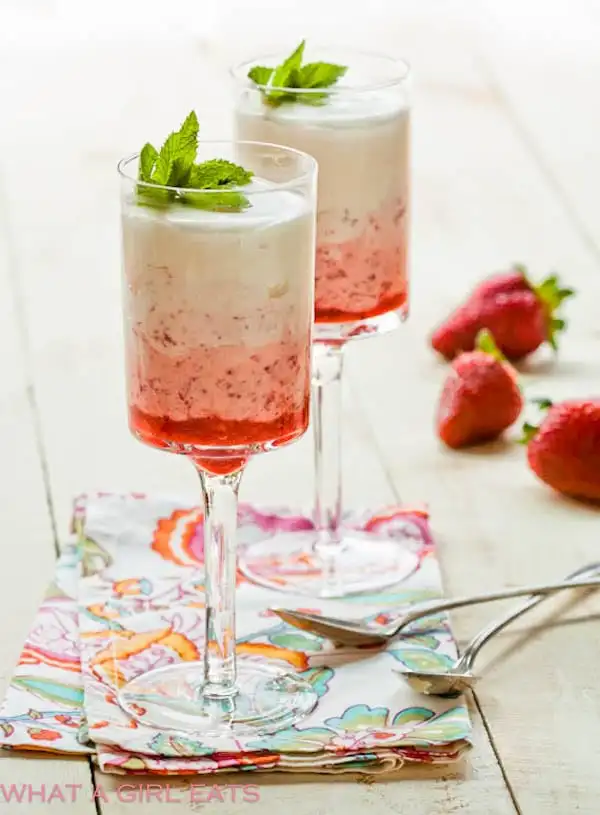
(529,431)
(542,403)
(485,342)
(552,294)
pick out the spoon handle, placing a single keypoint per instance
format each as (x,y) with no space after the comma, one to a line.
(467,659)
(435,606)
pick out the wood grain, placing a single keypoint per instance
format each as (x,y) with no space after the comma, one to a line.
(27,542)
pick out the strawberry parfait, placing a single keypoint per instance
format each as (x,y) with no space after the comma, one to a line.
(218,278)
(356,124)
(350,111)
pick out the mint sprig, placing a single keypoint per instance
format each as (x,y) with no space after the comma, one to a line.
(174,166)
(291,74)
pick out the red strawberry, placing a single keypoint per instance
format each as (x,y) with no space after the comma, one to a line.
(457,333)
(564,451)
(516,321)
(503,283)
(520,316)
(480,398)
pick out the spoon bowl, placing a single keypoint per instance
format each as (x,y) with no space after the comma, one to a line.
(341,632)
(430,683)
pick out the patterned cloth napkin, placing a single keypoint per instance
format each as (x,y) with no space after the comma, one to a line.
(127,597)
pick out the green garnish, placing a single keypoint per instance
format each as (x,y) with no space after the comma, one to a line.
(217,173)
(174,166)
(529,431)
(293,75)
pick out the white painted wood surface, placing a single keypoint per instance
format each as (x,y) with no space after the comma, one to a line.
(507,167)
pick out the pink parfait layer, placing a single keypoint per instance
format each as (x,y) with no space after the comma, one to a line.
(366,275)
(219,396)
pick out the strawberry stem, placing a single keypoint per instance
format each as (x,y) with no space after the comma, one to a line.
(542,402)
(529,433)
(530,430)
(485,342)
(522,270)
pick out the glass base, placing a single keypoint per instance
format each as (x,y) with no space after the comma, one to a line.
(300,563)
(268,699)
(337,333)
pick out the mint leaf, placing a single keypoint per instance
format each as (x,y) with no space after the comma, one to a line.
(321,74)
(188,135)
(187,148)
(156,197)
(315,99)
(150,196)
(164,163)
(177,154)
(218,172)
(260,74)
(287,74)
(295,76)
(148,157)
(174,166)
(216,201)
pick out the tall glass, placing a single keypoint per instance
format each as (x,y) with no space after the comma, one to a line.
(218,308)
(359,135)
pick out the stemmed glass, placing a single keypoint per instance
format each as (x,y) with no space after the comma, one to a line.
(359,134)
(218,308)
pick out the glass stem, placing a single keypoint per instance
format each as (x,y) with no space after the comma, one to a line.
(327,423)
(220,532)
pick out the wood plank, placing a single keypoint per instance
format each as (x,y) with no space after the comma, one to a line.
(26,544)
(548,91)
(27,537)
(484,202)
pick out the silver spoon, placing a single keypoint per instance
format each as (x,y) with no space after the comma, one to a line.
(455,680)
(357,633)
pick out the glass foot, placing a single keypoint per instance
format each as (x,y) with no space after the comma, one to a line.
(296,563)
(269,698)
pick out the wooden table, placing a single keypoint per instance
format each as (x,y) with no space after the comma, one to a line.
(507,168)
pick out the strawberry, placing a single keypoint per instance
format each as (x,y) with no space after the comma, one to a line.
(515,279)
(516,321)
(503,283)
(457,333)
(480,398)
(519,315)
(564,451)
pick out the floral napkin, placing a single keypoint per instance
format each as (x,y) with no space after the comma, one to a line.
(128,597)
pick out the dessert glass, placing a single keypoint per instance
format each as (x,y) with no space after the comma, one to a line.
(218,312)
(359,134)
